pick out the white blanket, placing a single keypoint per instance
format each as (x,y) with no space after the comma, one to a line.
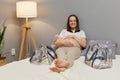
(24,70)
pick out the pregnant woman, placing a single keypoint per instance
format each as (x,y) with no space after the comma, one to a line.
(69,44)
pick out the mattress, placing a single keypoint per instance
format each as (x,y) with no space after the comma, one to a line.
(24,70)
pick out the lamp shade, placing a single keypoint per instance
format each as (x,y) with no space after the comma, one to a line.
(26,9)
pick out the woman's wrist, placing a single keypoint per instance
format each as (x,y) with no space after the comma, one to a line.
(62,42)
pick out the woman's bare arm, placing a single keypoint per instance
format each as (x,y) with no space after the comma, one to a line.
(81,41)
(62,42)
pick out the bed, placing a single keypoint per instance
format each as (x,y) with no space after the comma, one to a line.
(24,70)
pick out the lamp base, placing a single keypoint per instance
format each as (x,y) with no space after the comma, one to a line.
(25,41)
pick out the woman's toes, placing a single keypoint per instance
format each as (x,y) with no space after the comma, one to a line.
(55,69)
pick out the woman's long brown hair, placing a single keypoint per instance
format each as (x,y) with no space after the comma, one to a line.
(77,29)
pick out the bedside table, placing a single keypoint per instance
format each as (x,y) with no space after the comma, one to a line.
(3,61)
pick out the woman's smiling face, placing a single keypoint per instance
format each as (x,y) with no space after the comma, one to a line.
(72,22)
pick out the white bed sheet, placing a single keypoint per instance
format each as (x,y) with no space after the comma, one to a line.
(24,70)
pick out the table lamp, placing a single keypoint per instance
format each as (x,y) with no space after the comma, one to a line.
(26,9)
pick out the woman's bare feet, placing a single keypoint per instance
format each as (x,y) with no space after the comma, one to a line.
(61,63)
(56,69)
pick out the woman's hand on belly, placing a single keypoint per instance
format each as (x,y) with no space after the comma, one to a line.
(70,42)
(74,42)
(67,43)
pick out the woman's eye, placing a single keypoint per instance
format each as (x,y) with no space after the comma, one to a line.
(72,20)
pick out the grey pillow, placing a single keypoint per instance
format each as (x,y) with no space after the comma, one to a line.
(111,45)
